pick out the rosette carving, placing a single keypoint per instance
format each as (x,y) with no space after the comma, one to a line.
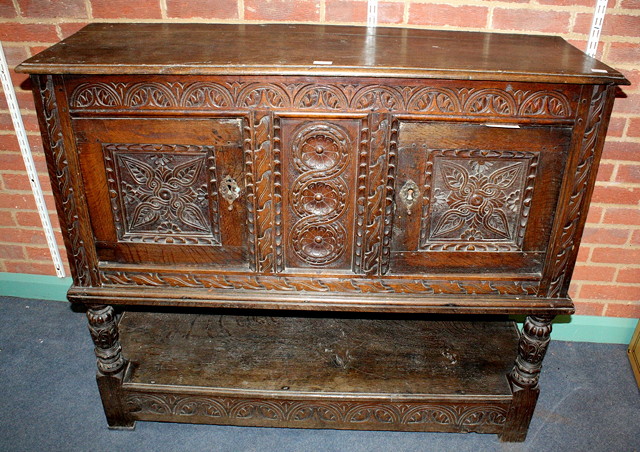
(160,193)
(322,198)
(320,244)
(477,200)
(320,155)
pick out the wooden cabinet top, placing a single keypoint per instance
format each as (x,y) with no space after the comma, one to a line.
(317,50)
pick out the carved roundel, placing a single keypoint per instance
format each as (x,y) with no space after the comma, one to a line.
(319,193)
(320,147)
(319,244)
(324,198)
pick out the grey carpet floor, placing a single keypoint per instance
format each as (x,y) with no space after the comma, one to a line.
(49,402)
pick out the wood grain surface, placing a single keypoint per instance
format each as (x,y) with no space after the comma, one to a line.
(293,49)
(357,183)
(368,354)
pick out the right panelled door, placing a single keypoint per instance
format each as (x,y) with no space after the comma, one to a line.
(474,197)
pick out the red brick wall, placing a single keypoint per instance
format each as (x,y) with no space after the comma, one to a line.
(607,278)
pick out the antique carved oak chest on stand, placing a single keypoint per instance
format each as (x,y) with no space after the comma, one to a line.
(320,227)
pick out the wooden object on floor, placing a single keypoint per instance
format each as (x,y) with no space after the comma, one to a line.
(634,353)
(336,172)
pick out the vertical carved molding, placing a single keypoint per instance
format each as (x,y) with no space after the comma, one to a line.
(214,208)
(387,230)
(61,174)
(376,169)
(361,198)
(524,377)
(260,174)
(103,327)
(249,183)
(278,264)
(581,188)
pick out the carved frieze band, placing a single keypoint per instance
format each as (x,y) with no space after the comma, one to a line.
(580,184)
(334,97)
(310,284)
(477,200)
(163,193)
(61,178)
(462,417)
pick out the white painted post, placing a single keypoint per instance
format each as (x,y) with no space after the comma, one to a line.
(18,125)
(596,28)
(372,13)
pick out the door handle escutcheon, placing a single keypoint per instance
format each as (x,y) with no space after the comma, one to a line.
(409,194)
(229,190)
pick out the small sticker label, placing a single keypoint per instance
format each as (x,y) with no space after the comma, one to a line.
(503,126)
(323,62)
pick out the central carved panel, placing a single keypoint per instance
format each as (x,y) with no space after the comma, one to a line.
(163,193)
(319,178)
(477,200)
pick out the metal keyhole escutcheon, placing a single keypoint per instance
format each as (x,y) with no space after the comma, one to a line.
(229,190)
(409,194)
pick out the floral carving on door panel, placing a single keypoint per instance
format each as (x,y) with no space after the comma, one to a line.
(477,200)
(319,192)
(160,193)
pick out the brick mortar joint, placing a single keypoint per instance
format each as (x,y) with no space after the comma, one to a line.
(601,226)
(619,39)
(613,139)
(614,184)
(616,266)
(607,246)
(615,206)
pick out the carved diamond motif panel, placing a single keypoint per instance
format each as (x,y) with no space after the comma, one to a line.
(477,200)
(160,193)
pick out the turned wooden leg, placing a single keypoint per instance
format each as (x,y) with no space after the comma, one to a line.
(524,376)
(111,365)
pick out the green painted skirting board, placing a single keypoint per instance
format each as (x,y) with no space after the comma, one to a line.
(578,328)
(40,287)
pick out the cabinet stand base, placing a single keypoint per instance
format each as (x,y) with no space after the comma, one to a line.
(346,372)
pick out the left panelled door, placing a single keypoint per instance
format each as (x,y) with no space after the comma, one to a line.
(165,190)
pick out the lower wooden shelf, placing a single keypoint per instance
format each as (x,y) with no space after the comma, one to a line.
(375,373)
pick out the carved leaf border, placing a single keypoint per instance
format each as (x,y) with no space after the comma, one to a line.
(84,269)
(319,284)
(570,222)
(463,417)
(551,103)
